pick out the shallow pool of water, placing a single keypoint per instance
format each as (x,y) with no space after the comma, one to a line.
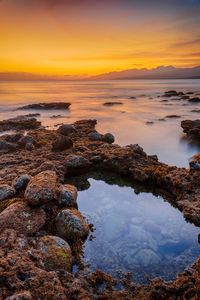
(135,232)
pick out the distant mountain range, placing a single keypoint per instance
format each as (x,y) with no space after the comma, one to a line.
(162,72)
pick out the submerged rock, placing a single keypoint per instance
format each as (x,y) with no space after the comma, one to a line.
(21,182)
(71,225)
(42,188)
(47,106)
(194,100)
(6,191)
(56,252)
(112,103)
(173,116)
(172,93)
(67,196)
(22,218)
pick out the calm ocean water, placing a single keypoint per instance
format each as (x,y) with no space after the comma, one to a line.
(127,121)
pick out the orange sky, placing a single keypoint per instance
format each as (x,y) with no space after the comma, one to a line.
(92,37)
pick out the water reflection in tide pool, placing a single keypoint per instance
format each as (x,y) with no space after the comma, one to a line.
(138,233)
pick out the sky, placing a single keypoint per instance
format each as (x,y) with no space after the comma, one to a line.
(90,37)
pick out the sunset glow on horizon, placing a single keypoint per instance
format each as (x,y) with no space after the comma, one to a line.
(91,37)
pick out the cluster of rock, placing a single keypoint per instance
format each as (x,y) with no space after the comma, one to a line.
(13,142)
(28,216)
(181,96)
(40,222)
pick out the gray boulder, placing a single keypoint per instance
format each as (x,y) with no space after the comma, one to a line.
(21,182)
(67,196)
(6,192)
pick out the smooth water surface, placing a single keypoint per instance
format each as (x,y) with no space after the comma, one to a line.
(136,232)
(127,121)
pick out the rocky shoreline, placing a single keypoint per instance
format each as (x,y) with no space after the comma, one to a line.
(42,231)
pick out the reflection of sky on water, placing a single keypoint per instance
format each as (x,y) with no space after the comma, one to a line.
(140,233)
(127,121)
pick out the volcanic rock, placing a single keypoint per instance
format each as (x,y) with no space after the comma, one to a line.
(22,218)
(56,252)
(6,192)
(46,106)
(71,225)
(67,196)
(42,188)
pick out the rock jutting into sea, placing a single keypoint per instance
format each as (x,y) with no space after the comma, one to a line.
(46,106)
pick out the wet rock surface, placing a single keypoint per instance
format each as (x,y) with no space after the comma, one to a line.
(22,268)
(19,123)
(71,225)
(46,106)
(191,128)
(67,196)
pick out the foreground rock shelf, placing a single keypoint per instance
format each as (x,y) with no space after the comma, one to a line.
(36,254)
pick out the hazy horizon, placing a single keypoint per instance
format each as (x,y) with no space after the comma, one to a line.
(90,37)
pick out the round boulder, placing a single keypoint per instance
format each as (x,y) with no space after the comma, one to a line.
(71,225)
(66,129)
(67,196)
(20,183)
(42,188)
(62,143)
(108,138)
(6,192)
(22,218)
(56,253)
(94,136)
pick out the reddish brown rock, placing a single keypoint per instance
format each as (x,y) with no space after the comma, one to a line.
(19,123)
(71,225)
(56,253)
(62,143)
(42,188)
(22,218)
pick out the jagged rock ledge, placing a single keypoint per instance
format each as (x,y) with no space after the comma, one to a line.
(46,106)
(36,254)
